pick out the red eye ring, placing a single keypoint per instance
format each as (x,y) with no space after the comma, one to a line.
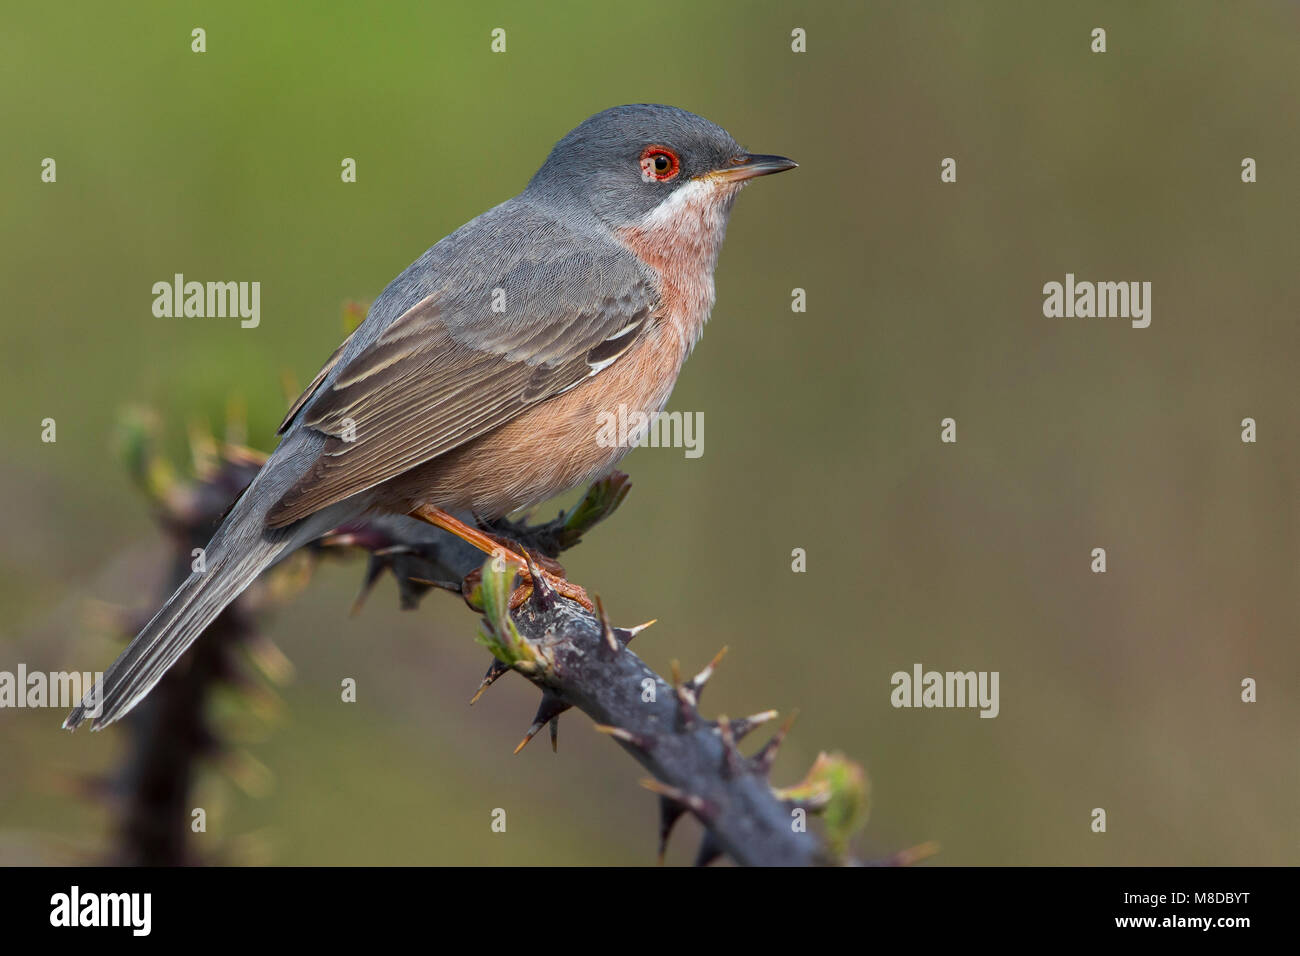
(659,163)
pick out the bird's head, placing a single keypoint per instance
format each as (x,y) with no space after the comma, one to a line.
(633,167)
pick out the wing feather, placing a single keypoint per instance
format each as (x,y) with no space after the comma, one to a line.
(449,370)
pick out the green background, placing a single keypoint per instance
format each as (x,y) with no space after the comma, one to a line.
(1118,690)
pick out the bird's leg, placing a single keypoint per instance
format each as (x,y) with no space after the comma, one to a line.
(543,561)
(489,545)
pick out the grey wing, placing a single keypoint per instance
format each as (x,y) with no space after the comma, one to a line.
(460,363)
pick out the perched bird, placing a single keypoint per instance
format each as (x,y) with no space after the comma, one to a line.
(478,380)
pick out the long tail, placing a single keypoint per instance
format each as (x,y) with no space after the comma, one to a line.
(237,554)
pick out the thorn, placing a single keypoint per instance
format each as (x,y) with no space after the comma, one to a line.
(543,593)
(709,850)
(605,629)
(669,813)
(746,724)
(493,674)
(555,735)
(702,678)
(639,741)
(446,586)
(548,711)
(685,697)
(374,568)
(697,805)
(729,752)
(627,633)
(410,589)
(767,756)
(532,732)
(550,707)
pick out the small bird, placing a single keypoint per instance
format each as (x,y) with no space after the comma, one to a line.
(477,382)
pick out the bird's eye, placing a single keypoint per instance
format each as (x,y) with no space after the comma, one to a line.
(659,163)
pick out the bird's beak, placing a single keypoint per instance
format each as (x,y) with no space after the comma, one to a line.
(749,165)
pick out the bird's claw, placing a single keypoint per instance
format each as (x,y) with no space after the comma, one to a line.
(560,585)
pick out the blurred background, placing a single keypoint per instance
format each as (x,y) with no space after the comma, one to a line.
(1118,690)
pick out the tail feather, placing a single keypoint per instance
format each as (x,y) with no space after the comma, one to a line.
(194,605)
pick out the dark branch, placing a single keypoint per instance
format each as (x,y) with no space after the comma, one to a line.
(579,661)
(575,657)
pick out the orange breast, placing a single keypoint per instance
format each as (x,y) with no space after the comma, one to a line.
(553,446)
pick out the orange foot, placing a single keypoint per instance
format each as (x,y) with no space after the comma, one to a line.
(508,553)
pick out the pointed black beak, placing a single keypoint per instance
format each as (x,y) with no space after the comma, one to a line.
(750,165)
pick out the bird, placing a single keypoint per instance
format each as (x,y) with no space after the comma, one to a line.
(476,382)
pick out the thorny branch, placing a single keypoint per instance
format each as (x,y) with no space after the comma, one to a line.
(575,657)
(579,660)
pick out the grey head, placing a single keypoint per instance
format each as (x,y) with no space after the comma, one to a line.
(624,162)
